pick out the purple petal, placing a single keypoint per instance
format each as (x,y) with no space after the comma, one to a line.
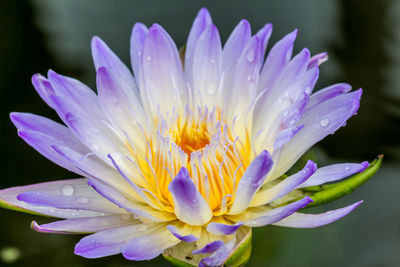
(233,49)
(318,122)
(42,133)
(251,181)
(301,220)
(122,107)
(263,35)
(78,186)
(104,57)
(245,78)
(186,238)
(328,93)
(223,229)
(75,92)
(219,256)
(110,242)
(189,205)
(277,214)
(287,185)
(201,22)
(317,60)
(43,88)
(207,67)
(70,197)
(285,136)
(85,225)
(96,135)
(162,71)
(293,82)
(145,247)
(140,209)
(139,32)
(333,173)
(277,59)
(209,248)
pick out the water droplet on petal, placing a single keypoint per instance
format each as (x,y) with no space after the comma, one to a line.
(347,168)
(83,200)
(324,122)
(251,54)
(212,60)
(148,58)
(67,190)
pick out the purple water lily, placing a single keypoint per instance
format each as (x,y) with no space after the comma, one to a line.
(184,155)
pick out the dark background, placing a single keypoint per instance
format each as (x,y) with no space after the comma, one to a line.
(363,42)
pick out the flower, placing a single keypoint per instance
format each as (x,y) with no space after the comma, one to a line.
(188,156)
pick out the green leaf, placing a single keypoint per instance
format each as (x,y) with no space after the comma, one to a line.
(327,193)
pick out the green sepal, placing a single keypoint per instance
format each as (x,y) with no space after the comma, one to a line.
(176,262)
(321,194)
(6,205)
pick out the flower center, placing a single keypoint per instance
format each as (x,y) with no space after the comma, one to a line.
(191,137)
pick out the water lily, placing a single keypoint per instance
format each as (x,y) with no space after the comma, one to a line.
(184,156)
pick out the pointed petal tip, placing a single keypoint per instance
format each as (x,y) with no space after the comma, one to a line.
(139,26)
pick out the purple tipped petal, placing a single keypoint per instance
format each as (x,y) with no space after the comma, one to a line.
(263,35)
(64,187)
(76,197)
(201,22)
(301,220)
(42,134)
(277,59)
(104,57)
(162,71)
(251,181)
(290,183)
(223,229)
(318,122)
(139,32)
(145,248)
(121,106)
(333,173)
(209,248)
(277,214)
(219,256)
(207,67)
(138,208)
(177,233)
(317,60)
(233,49)
(328,93)
(110,242)
(75,92)
(245,78)
(285,136)
(85,225)
(43,88)
(190,206)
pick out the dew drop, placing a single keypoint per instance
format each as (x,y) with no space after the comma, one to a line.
(83,200)
(51,211)
(212,60)
(67,190)
(248,77)
(347,168)
(148,58)
(251,55)
(139,53)
(211,89)
(324,122)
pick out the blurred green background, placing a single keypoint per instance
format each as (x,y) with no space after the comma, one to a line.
(363,42)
